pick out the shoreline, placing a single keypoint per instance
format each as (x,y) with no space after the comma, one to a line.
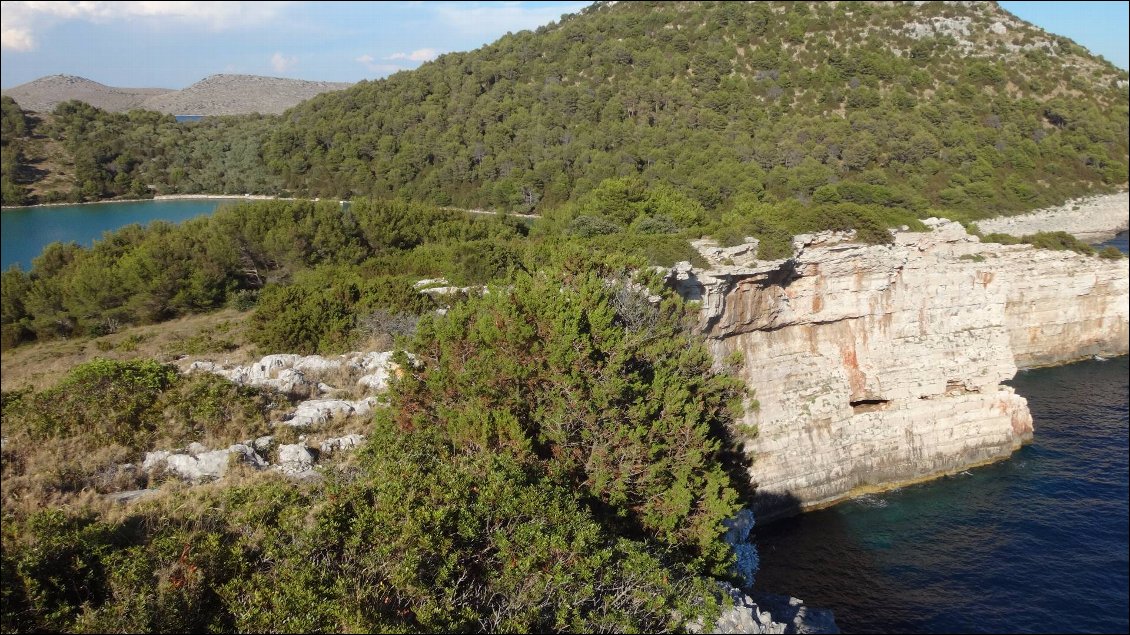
(168,197)
(1092,219)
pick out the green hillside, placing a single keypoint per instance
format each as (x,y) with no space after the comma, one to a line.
(965,107)
(955,107)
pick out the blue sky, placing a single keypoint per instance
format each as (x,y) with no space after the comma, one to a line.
(173,44)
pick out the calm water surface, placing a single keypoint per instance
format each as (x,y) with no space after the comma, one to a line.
(1037,543)
(24,232)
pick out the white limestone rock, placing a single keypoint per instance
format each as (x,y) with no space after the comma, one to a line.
(339,444)
(318,411)
(742,255)
(293,373)
(295,459)
(1096,218)
(198,464)
(875,365)
(782,615)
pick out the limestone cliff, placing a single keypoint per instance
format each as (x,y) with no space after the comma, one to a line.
(875,365)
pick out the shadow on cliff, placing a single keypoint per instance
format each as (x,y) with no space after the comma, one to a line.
(770,507)
(767,507)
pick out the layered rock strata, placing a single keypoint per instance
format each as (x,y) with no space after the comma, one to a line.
(877,365)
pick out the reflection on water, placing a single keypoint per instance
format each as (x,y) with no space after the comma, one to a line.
(1037,543)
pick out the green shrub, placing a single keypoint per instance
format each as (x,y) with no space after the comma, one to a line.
(109,400)
(623,408)
(319,311)
(1060,241)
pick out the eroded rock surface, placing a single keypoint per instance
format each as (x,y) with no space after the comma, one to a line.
(875,365)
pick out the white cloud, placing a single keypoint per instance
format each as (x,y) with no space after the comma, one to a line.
(21,20)
(16,39)
(419,55)
(281,63)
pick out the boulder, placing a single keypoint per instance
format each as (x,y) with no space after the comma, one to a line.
(338,444)
(198,464)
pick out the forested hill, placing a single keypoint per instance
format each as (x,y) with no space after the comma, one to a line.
(962,103)
(960,107)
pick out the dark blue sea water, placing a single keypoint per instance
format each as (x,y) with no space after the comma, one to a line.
(1037,543)
(24,232)
(1122,241)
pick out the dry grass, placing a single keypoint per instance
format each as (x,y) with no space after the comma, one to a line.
(40,365)
(63,472)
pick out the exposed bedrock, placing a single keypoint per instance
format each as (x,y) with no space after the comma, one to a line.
(878,365)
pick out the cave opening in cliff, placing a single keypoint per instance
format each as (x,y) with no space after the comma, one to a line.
(869,405)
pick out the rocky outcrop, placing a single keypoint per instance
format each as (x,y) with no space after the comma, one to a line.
(287,373)
(768,614)
(880,365)
(318,411)
(295,459)
(1091,219)
(198,464)
(291,373)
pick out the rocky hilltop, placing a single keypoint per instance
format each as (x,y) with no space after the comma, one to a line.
(878,365)
(214,95)
(43,94)
(239,94)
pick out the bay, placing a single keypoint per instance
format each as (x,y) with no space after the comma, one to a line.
(25,231)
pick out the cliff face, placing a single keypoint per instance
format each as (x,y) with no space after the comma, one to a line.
(879,365)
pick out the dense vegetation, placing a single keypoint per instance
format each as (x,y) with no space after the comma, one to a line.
(550,462)
(136,276)
(723,99)
(134,155)
(13,128)
(721,102)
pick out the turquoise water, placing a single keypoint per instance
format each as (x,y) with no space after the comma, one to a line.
(24,232)
(1037,543)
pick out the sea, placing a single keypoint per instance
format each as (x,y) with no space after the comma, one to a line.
(1037,543)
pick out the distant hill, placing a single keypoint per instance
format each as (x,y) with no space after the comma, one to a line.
(214,95)
(43,94)
(238,95)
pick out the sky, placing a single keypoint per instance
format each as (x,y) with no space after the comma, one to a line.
(173,44)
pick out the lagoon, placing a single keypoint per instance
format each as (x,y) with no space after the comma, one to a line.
(25,231)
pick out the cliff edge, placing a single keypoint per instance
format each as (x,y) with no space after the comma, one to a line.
(879,365)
